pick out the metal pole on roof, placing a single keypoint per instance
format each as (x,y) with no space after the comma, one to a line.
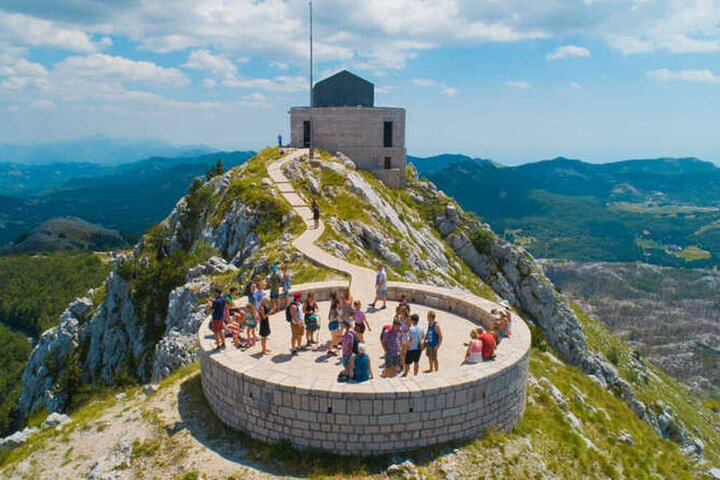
(312,127)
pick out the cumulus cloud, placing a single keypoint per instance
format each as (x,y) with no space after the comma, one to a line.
(575,85)
(422,82)
(24,30)
(383,89)
(216,64)
(99,65)
(696,76)
(518,84)
(19,73)
(282,83)
(568,51)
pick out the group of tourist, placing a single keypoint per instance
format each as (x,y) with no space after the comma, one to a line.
(403,340)
(234,314)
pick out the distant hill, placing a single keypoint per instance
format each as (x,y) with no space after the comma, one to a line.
(438,162)
(66,233)
(665,211)
(128,198)
(18,179)
(95,149)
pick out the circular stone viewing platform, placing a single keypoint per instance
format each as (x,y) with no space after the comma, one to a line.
(298,398)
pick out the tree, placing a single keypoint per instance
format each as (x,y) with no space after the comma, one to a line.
(218,169)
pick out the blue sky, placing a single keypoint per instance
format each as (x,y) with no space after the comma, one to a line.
(514,80)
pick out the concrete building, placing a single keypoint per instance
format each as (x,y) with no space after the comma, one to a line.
(346,120)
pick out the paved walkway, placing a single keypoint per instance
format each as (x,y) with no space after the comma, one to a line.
(362,280)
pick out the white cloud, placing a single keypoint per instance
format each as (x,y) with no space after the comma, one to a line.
(216,64)
(568,51)
(255,100)
(697,76)
(43,104)
(18,73)
(209,83)
(13,109)
(449,91)
(24,30)
(279,65)
(518,84)
(101,66)
(575,85)
(282,83)
(383,89)
(422,82)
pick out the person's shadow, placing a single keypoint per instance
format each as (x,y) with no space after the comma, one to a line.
(281,358)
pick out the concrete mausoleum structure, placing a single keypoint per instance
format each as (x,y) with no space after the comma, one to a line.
(346,120)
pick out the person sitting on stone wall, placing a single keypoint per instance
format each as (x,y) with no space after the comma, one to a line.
(235,325)
(360,367)
(473,354)
(489,344)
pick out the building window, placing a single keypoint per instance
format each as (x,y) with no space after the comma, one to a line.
(388,134)
(306,134)
(388,163)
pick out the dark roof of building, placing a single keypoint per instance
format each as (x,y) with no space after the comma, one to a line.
(344,89)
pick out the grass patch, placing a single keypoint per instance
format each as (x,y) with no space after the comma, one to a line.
(145,448)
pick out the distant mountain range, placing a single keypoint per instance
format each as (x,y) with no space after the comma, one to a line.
(128,197)
(95,149)
(665,211)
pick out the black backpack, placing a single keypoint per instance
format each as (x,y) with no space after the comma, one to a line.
(288,315)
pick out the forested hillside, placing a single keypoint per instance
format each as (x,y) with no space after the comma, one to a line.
(34,291)
(663,211)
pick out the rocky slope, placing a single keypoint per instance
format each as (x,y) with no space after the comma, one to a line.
(586,416)
(669,315)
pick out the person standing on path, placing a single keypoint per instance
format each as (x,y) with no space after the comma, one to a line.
(316,213)
(297,326)
(412,357)
(380,286)
(274,282)
(220,309)
(265,311)
(433,340)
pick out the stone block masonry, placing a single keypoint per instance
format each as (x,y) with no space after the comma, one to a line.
(378,416)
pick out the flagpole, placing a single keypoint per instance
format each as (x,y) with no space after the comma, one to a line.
(312,127)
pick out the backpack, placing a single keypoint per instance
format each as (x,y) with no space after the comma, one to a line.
(288,315)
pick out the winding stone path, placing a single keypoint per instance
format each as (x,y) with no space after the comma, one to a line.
(362,280)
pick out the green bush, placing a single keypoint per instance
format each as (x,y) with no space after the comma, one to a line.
(482,240)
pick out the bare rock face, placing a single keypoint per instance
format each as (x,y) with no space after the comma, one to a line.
(50,354)
(178,346)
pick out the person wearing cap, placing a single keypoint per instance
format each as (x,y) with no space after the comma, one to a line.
(293,315)
(503,322)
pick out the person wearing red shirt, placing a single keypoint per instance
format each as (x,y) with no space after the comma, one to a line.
(488,345)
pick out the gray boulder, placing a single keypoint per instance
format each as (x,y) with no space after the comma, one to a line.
(16,439)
